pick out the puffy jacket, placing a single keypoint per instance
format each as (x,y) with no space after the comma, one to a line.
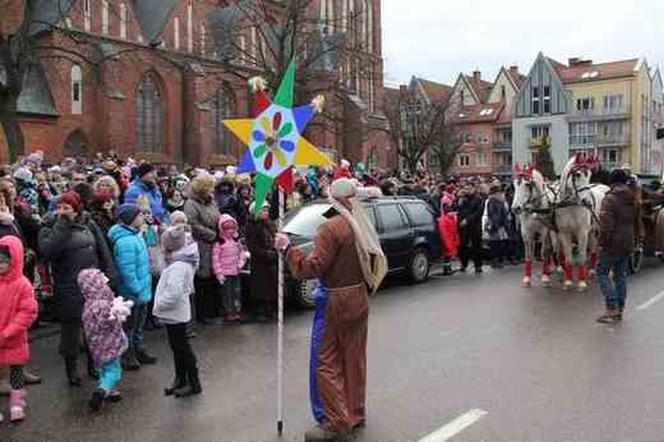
(71,246)
(228,254)
(176,283)
(133,264)
(620,221)
(139,188)
(18,307)
(104,336)
(470,209)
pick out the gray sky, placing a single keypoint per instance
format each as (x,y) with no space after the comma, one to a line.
(437,39)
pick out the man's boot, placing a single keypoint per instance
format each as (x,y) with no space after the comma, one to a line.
(144,358)
(129,361)
(610,316)
(71,368)
(193,385)
(320,434)
(31,378)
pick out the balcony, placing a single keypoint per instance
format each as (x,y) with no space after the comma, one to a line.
(582,141)
(613,140)
(623,113)
(504,146)
(537,142)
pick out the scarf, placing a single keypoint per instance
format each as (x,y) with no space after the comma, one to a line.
(372,258)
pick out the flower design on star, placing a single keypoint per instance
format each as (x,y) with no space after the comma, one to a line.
(271,136)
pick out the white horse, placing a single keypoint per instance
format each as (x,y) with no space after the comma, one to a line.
(576,215)
(532,203)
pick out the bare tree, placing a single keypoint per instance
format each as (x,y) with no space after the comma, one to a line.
(420,129)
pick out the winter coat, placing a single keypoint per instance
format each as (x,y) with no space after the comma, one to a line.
(104,336)
(228,254)
(497,218)
(71,246)
(176,283)
(18,307)
(203,218)
(133,264)
(139,188)
(620,221)
(471,209)
(104,222)
(260,242)
(228,203)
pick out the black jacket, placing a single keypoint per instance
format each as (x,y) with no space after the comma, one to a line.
(69,247)
(471,210)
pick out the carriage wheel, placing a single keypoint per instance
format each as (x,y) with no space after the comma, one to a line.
(636,261)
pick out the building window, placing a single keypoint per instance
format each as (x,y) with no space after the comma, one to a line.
(584,104)
(464,160)
(242,46)
(223,110)
(87,14)
(190,27)
(583,134)
(539,131)
(480,159)
(536,100)
(503,92)
(326,16)
(202,39)
(369,25)
(462,97)
(372,98)
(547,99)
(613,104)
(123,21)
(104,17)
(150,122)
(176,33)
(76,90)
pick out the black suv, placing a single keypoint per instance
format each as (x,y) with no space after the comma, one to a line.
(406,227)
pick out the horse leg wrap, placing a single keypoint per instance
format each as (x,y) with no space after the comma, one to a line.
(594,260)
(569,272)
(548,266)
(582,272)
(528,269)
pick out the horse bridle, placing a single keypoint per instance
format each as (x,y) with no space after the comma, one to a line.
(530,205)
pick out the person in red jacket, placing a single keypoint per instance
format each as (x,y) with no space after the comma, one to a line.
(18,310)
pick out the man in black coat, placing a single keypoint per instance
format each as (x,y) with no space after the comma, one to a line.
(470,208)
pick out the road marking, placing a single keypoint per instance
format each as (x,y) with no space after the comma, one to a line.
(650,302)
(455,427)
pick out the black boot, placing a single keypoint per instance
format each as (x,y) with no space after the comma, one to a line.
(193,386)
(97,400)
(129,361)
(144,358)
(71,368)
(179,382)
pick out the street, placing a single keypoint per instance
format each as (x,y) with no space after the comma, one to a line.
(535,362)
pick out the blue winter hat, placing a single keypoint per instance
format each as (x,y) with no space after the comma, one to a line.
(127,213)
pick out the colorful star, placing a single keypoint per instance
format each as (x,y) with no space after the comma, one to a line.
(274,137)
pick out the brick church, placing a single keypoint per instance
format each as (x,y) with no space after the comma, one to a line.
(154,78)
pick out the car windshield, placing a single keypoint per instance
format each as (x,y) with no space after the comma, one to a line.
(305,221)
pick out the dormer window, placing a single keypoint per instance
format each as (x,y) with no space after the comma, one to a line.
(536,100)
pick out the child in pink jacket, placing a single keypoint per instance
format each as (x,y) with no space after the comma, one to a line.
(18,310)
(228,258)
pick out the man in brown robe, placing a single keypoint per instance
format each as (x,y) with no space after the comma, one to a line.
(349,262)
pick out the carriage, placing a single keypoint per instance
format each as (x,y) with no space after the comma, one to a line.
(652,214)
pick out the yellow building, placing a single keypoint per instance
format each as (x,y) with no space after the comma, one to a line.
(611,112)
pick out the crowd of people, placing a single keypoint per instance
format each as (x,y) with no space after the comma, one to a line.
(112,246)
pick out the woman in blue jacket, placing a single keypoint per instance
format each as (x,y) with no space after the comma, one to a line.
(135,280)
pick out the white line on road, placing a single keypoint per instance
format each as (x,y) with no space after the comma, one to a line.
(455,427)
(651,301)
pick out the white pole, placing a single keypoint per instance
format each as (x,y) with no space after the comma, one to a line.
(280,323)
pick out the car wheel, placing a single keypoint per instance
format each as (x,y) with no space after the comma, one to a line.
(304,296)
(635,262)
(419,265)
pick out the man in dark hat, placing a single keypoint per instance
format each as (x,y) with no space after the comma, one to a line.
(621,229)
(145,186)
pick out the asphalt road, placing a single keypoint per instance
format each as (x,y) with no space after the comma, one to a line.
(533,361)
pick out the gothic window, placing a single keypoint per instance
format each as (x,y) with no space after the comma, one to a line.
(176,33)
(87,15)
(223,110)
(150,122)
(76,90)
(104,17)
(123,21)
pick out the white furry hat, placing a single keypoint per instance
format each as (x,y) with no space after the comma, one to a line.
(23,174)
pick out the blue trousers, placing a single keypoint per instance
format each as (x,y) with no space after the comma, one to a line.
(614,294)
(110,374)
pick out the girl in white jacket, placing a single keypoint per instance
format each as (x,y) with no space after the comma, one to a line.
(172,307)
